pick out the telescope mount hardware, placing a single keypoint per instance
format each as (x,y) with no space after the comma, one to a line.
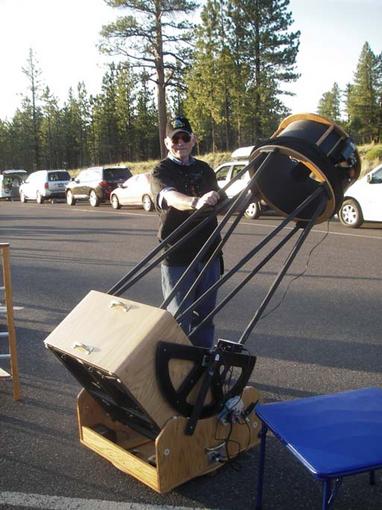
(148,394)
(302,172)
(207,370)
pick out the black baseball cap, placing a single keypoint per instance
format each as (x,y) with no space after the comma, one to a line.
(178,125)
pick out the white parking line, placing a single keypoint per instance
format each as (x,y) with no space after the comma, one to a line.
(20,499)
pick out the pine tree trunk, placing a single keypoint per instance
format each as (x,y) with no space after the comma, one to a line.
(161,87)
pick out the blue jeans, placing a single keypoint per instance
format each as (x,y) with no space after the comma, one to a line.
(204,337)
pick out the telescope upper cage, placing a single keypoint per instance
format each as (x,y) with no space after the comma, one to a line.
(307,151)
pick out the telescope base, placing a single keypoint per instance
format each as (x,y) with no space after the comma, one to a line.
(173,458)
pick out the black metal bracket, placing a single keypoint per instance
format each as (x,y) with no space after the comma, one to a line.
(208,373)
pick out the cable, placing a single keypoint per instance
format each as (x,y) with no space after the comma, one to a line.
(232,420)
(297,276)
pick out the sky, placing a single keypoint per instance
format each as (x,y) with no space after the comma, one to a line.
(64,34)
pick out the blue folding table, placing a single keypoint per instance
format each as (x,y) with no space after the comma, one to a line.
(333,436)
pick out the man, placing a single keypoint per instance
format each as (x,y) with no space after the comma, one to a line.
(181,184)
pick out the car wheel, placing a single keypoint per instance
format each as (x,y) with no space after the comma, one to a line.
(22,198)
(70,198)
(253,211)
(115,202)
(147,203)
(39,198)
(350,214)
(93,199)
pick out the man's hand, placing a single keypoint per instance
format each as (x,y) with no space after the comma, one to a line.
(211,198)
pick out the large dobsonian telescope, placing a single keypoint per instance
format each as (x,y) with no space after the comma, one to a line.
(153,404)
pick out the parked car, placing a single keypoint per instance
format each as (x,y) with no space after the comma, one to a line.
(10,181)
(227,171)
(43,185)
(95,184)
(363,200)
(135,191)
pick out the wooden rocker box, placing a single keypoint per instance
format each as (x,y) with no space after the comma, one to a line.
(109,345)
(173,457)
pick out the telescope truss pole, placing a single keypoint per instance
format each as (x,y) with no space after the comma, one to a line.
(127,281)
(319,191)
(240,204)
(307,227)
(244,282)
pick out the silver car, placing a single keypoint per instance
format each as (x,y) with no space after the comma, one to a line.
(135,191)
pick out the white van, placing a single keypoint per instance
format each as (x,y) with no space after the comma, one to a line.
(44,185)
(226,172)
(10,181)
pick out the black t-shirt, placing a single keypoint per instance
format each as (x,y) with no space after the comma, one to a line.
(195,180)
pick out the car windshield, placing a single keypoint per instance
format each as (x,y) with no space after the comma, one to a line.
(222,173)
(58,176)
(116,174)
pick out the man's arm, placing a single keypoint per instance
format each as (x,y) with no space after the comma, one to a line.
(184,202)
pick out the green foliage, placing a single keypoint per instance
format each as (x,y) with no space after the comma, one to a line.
(214,159)
(330,104)
(244,53)
(362,100)
(363,103)
(33,74)
(151,36)
(371,156)
(374,153)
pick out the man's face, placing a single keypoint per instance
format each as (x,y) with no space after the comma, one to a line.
(180,145)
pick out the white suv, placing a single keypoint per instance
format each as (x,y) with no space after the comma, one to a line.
(43,185)
(363,200)
(227,171)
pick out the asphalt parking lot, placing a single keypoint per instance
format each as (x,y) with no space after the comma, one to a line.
(324,337)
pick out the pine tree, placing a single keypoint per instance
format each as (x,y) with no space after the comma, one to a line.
(362,102)
(245,53)
(84,113)
(151,39)
(33,73)
(330,104)
(4,144)
(267,52)
(105,122)
(146,122)
(50,131)
(22,138)
(208,79)
(378,68)
(124,103)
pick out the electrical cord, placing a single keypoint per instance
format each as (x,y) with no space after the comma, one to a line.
(264,316)
(242,419)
